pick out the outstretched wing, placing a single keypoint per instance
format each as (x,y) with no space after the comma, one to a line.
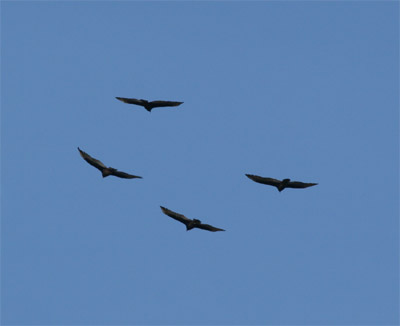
(159,104)
(131,100)
(179,217)
(265,181)
(298,184)
(208,227)
(92,161)
(124,175)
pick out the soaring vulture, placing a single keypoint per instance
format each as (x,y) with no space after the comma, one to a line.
(190,224)
(285,183)
(148,105)
(105,171)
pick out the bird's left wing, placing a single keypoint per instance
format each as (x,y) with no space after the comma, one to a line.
(179,217)
(263,180)
(130,100)
(92,161)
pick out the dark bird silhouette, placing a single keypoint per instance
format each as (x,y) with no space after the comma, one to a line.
(285,183)
(105,171)
(148,105)
(190,224)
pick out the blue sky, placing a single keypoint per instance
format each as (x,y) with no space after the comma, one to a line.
(300,90)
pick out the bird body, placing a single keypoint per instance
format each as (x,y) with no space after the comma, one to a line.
(105,171)
(280,185)
(189,223)
(148,105)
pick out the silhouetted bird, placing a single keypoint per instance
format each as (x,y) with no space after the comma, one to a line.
(148,105)
(105,171)
(190,224)
(285,183)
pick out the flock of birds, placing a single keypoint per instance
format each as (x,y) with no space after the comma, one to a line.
(189,223)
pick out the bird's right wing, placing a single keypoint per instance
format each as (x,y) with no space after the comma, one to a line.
(298,184)
(130,100)
(179,217)
(265,181)
(159,104)
(125,175)
(92,161)
(208,227)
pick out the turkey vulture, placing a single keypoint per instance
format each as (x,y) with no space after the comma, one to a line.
(285,183)
(148,105)
(105,171)
(190,224)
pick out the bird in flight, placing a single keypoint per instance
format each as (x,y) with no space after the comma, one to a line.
(105,171)
(190,224)
(148,105)
(285,183)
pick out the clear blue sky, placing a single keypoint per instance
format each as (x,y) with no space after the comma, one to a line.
(300,90)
